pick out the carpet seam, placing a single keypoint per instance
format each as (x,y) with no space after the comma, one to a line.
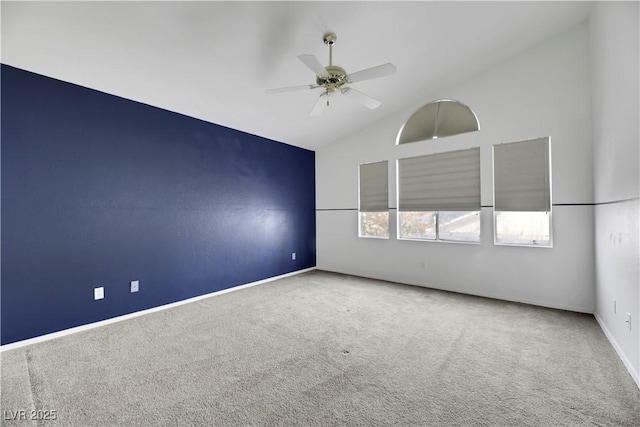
(35,394)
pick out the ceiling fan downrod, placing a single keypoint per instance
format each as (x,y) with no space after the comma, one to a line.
(334,76)
(329,39)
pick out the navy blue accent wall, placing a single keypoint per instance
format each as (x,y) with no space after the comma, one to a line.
(98,190)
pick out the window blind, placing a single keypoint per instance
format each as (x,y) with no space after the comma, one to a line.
(521,176)
(438,119)
(374,187)
(440,182)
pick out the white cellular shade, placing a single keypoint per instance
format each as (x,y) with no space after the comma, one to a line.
(440,182)
(521,176)
(374,187)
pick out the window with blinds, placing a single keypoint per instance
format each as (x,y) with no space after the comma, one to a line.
(522,193)
(373,209)
(439,196)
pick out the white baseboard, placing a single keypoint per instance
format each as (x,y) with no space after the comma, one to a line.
(89,326)
(618,350)
(438,287)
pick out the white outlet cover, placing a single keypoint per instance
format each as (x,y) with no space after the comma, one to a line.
(293,256)
(98,293)
(135,286)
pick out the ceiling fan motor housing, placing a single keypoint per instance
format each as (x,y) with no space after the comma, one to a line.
(337,77)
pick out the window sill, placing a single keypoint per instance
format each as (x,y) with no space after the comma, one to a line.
(461,242)
(523,245)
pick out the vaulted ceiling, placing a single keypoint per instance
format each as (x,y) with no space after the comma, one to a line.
(215,60)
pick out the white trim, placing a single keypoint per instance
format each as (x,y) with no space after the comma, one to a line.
(100,323)
(513,299)
(618,350)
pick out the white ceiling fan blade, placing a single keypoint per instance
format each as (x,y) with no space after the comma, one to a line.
(313,63)
(372,73)
(320,105)
(365,100)
(291,88)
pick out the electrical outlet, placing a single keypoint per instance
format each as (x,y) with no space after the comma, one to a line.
(98,293)
(135,286)
(628,321)
(293,256)
(423,265)
(615,309)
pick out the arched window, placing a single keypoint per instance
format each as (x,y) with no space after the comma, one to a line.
(438,119)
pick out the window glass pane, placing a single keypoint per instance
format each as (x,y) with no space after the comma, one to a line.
(374,224)
(523,228)
(459,226)
(417,225)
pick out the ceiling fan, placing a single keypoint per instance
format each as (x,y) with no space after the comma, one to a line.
(332,79)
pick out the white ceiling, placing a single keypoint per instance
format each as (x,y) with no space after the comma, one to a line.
(214,60)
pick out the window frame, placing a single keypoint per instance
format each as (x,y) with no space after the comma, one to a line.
(437,229)
(360,211)
(532,245)
(549,191)
(438,238)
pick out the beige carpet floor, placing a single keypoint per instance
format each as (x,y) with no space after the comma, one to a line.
(322,349)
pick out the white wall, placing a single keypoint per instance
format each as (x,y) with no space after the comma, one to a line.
(543,91)
(614,32)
